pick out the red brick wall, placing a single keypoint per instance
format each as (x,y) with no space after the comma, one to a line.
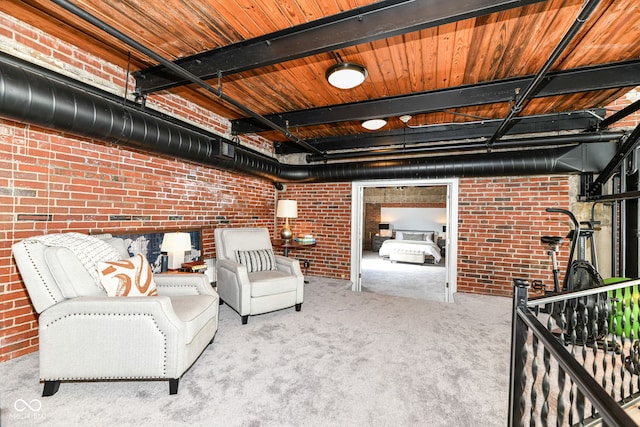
(500,222)
(324,210)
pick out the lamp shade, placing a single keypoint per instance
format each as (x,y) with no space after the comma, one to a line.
(176,242)
(346,75)
(175,245)
(287,209)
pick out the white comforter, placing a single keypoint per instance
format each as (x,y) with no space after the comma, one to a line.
(426,247)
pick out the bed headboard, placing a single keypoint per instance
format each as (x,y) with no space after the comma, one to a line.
(426,235)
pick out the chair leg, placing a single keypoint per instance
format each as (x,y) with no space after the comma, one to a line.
(299,307)
(173,385)
(245,319)
(50,388)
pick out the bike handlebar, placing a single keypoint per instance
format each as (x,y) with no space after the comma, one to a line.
(570,214)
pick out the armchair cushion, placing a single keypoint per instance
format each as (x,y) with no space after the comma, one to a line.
(127,277)
(70,275)
(265,283)
(257,260)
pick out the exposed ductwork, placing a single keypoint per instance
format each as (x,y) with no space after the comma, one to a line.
(42,99)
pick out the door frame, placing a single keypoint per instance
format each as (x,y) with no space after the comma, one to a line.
(451,243)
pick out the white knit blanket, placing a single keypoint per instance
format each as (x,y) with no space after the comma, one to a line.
(89,250)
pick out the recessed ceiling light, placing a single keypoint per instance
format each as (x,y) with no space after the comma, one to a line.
(374,124)
(346,75)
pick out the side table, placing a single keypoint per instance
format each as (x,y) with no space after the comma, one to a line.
(377,242)
(288,245)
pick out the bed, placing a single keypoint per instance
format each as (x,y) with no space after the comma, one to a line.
(414,246)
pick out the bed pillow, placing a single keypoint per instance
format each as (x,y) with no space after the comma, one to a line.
(128,277)
(398,235)
(429,236)
(257,260)
(413,236)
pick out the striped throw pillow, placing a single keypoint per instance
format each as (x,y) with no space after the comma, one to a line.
(257,260)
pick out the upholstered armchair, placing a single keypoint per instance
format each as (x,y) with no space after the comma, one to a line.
(84,334)
(251,279)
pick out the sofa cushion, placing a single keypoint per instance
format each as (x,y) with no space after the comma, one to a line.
(271,282)
(70,275)
(127,277)
(257,260)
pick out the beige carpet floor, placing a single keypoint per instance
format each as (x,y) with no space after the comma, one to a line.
(347,359)
(423,281)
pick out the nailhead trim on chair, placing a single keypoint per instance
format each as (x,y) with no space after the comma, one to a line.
(114,314)
(35,266)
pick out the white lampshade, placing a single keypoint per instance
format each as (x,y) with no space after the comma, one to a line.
(287,209)
(346,75)
(175,245)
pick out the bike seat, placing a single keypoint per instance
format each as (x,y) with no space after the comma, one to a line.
(551,240)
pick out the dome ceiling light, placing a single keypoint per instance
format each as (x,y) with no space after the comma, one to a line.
(374,124)
(346,75)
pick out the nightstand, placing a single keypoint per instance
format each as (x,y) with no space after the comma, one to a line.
(377,242)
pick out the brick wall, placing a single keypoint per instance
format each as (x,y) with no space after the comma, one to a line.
(324,210)
(500,222)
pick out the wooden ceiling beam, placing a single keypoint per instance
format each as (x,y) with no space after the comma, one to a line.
(600,77)
(376,21)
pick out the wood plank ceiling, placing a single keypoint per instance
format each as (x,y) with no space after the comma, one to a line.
(456,63)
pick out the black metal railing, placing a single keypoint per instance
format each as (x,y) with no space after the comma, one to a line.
(574,356)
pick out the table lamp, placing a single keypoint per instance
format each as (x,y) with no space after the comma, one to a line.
(287,209)
(175,245)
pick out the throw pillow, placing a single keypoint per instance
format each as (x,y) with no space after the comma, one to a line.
(257,260)
(128,277)
(429,236)
(413,236)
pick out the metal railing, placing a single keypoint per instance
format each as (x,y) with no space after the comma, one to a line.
(574,357)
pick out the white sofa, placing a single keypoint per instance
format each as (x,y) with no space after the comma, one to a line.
(86,335)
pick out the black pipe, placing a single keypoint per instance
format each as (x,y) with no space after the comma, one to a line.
(542,141)
(30,97)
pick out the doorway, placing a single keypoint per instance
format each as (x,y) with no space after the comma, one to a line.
(359,236)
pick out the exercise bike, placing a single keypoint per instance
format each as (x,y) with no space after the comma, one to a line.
(584,316)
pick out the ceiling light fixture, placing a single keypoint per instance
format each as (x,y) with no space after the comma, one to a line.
(374,124)
(346,75)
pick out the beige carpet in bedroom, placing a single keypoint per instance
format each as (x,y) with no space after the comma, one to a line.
(421,281)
